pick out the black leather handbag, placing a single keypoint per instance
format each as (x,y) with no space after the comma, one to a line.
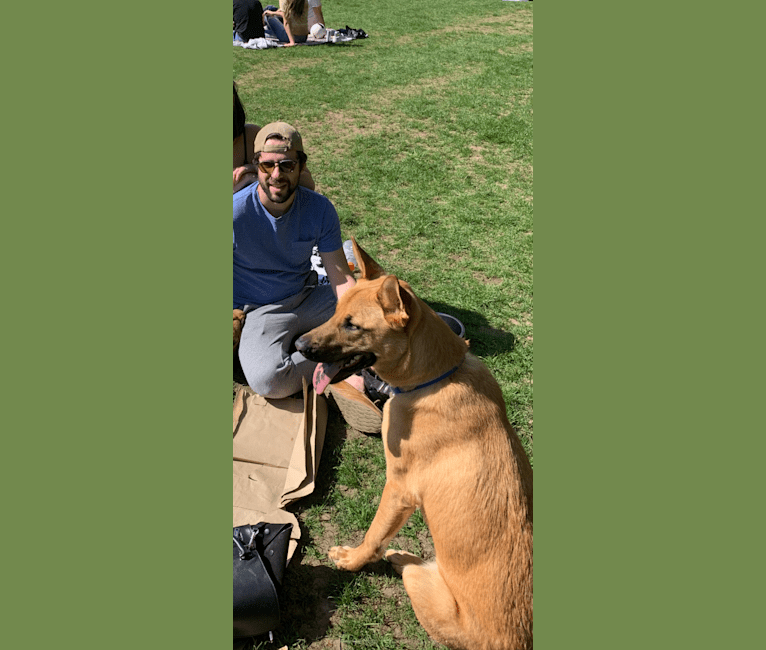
(260,558)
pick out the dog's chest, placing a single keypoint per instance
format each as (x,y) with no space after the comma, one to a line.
(408,445)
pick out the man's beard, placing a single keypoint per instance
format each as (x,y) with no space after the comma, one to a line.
(280,194)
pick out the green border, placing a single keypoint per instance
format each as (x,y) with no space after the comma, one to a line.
(647,346)
(117,463)
(186,228)
(646,475)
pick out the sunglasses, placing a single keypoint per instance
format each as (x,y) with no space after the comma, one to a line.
(285,166)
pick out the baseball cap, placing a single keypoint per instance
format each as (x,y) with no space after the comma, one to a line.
(281,130)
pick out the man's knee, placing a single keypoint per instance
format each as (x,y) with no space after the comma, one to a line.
(272,391)
(272,382)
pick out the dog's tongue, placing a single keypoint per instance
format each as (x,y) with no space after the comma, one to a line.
(323,375)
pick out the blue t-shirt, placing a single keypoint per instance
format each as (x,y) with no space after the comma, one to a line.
(272,256)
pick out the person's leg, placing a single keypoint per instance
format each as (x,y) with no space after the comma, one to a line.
(255,21)
(278,29)
(271,364)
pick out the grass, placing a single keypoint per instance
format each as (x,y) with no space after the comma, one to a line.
(421,136)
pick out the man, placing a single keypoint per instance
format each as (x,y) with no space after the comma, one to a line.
(276,225)
(248,20)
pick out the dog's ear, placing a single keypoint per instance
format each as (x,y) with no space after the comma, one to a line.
(395,302)
(369,267)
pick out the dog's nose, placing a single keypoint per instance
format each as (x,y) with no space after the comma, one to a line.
(304,345)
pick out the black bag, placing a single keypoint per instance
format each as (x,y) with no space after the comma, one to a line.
(353,33)
(260,557)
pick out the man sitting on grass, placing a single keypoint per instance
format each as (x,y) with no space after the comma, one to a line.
(276,225)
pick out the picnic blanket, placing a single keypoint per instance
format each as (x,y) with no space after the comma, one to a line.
(265,43)
(344,35)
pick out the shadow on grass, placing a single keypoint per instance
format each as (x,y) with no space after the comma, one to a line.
(485,339)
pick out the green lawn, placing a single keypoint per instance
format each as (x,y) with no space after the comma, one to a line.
(421,135)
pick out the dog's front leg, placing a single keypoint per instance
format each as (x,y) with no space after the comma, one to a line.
(392,514)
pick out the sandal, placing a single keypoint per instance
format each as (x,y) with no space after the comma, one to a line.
(356,408)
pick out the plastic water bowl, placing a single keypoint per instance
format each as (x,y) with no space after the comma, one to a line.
(454,324)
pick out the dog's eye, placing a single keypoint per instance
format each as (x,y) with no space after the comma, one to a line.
(348,325)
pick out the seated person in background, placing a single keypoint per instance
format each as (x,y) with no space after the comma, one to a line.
(244,135)
(248,20)
(295,28)
(277,223)
(315,13)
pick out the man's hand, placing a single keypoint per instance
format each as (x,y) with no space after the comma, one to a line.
(338,272)
(239,321)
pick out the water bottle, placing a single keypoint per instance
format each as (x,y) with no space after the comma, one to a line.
(348,250)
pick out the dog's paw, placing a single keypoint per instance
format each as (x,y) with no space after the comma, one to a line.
(400,559)
(345,558)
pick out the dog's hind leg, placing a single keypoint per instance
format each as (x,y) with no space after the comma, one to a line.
(432,600)
(401,559)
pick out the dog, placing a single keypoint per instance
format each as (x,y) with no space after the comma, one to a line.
(450,451)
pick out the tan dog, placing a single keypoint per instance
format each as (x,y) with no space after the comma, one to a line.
(450,451)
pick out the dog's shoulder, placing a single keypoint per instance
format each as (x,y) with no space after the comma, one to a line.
(477,379)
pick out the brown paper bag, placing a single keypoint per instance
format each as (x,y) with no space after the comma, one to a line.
(277,447)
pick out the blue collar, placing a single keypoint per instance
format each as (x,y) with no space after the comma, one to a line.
(398,391)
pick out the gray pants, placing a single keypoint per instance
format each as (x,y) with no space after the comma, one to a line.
(272,366)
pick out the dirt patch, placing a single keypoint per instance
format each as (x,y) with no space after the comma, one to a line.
(485,279)
(274,72)
(506,24)
(340,127)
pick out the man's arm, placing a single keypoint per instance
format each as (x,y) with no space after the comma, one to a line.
(338,273)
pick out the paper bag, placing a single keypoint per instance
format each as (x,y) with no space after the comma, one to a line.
(277,447)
